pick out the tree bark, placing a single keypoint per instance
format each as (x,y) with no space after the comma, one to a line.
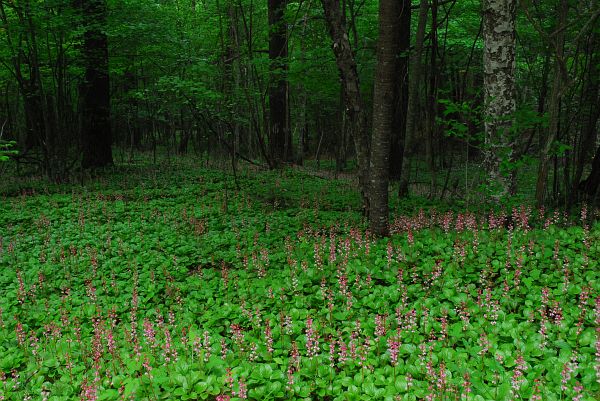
(383,115)
(591,185)
(280,145)
(302,97)
(234,50)
(413,96)
(431,109)
(401,102)
(25,59)
(589,113)
(351,86)
(96,136)
(499,38)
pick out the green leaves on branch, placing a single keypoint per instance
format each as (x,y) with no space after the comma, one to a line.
(6,150)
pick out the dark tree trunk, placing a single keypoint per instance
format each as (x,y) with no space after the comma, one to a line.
(234,49)
(351,86)
(591,185)
(280,144)
(302,98)
(341,139)
(401,102)
(383,115)
(554,107)
(96,136)
(183,144)
(413,96)
(24,52)
(34,122)
(589,113)
(431,108)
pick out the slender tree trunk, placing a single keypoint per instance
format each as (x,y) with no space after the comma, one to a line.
(301,124)
(302,95)
(589,112)
(253,84)
(554,106)
(24,53)
(236,51)
(413,96)
(279,142)
(351,85)
(499,38)
(401,102)
(96,133)
(341,139)
(591,185)
(431,131)
(383,115)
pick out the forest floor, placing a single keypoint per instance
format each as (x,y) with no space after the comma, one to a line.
(169,282)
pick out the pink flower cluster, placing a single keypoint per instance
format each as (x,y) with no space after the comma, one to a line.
(312,339)
(394,348)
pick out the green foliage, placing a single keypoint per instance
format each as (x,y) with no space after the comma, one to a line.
(457,117)
(464,121)
(131,275)
(6,150)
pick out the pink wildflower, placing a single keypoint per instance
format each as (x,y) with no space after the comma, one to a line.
(394,348)
(380,328)
(290,378)
(332,352)
(169,351)
(268,336)
(89,392)
(343,352)
(467,390)
(578,392)
(536,396)
(149,333)
(224,349)
(569,370)
(518,376)
(147,367)
(242,390)
(312,339)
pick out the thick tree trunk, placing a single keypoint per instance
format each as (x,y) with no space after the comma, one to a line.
(280,145)
(383,115)
(413,96)
(351,85)
(554,106)
(499,38)
(401,102)
(96,136)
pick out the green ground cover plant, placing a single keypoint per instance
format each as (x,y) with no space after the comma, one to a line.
(170,284)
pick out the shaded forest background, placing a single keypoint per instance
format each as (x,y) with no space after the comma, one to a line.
(86,84)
